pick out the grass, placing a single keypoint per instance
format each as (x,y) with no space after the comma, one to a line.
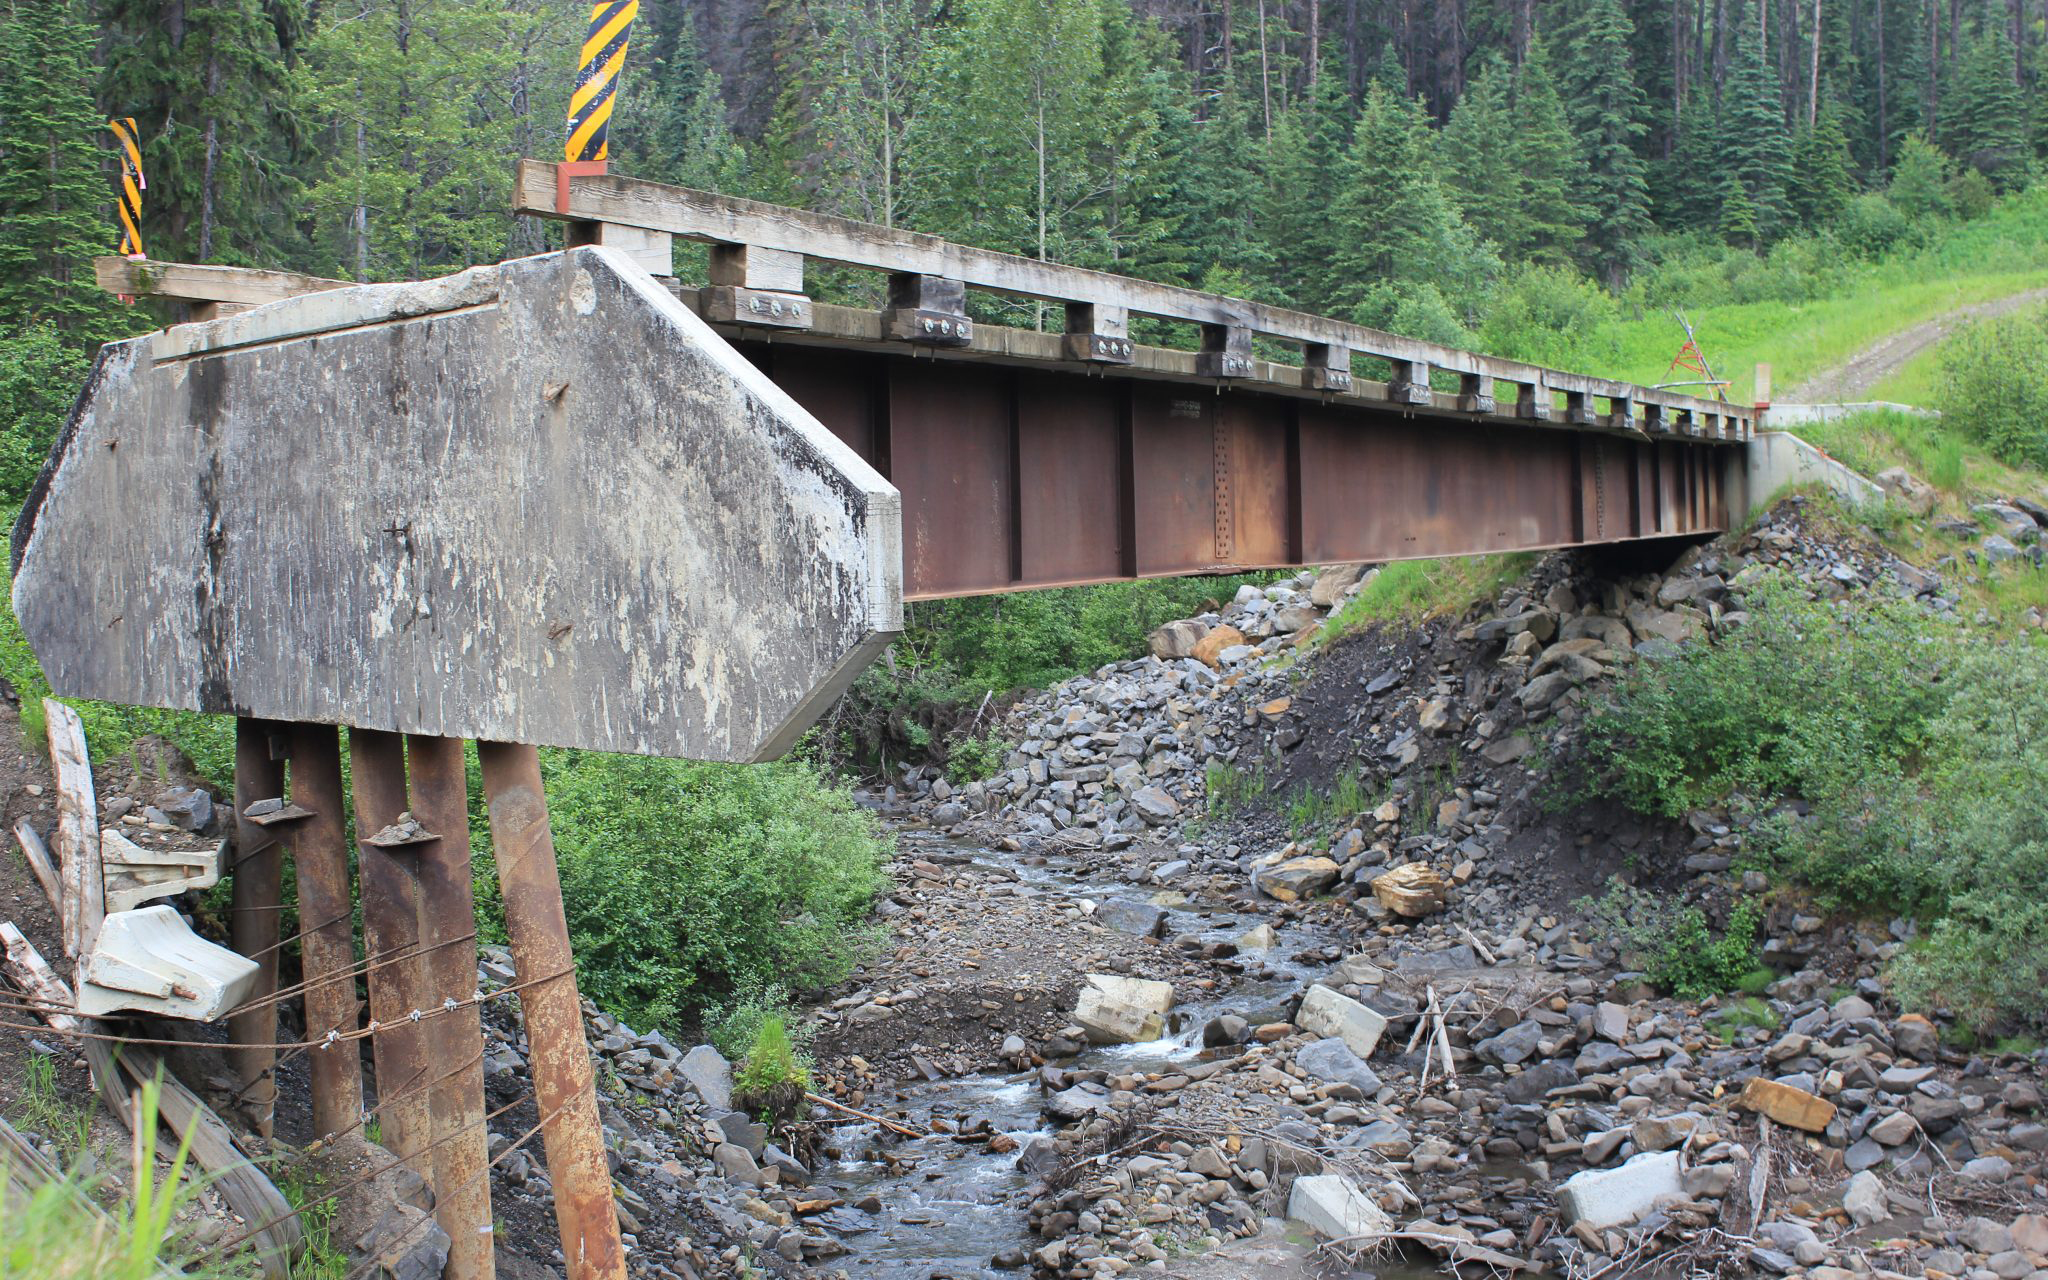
(1229,789)
(1312,812)
(57,1234)
(1411,590)
(42,1109)
(1799,340)
(1745,1014)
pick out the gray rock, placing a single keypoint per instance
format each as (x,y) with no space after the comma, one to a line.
(1127,915)
(737,1164)
(1155,806)
(707,1071)
(1332,1060)
(1224,1030)
(404,1244)
(1537,1081)
(1618,1197)
(1510,1047)
(1864,1199)
(949,814)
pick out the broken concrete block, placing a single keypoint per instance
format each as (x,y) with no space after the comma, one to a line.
(1603,1198)
(1330,1013)
(1412,891)
(134,874)
(149,961)
(1115,1010)
(1331,1205)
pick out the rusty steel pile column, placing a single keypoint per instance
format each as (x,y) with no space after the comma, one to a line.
(390,888)
(254,921)
(565,1087)
(327,937)
(454,1040)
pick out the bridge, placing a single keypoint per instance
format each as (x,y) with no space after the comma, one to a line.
(1029,458)
(542,502)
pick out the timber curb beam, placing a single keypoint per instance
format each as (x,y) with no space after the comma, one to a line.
(1029,458)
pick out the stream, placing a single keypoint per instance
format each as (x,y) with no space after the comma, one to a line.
(947,1208)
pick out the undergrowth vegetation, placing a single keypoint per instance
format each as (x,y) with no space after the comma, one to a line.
(1989,386)
(690,884)
(1411,590)
(1891,760)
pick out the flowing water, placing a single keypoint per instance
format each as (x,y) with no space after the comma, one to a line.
(948,1207)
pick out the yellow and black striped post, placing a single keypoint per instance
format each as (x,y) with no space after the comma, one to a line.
(597,79)
(132,185)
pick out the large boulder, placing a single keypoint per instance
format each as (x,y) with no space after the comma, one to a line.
(1117,1010)
(1332,1060)
(1299,878)
(1155,806)
(1333,584)
(1412,891)
(1908,490)
(1210,648)
(1325,1012)
(1177,639)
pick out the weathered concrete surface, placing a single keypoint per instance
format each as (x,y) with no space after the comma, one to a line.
(536,502)
(1778,460)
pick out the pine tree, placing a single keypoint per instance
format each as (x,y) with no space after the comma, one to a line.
(1304,172)
(1820,156)
(413,128)
(1554,223)
(1755,148)
(1986,125)
(56,201)
(1689,198)
(849,112)
(1223,174)
(1606,111)
(1482,160)
(1920,179)
(1400,232)
(1031,126)
(208,85)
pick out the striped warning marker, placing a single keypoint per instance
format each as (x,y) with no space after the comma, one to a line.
(597,78)
(132,185)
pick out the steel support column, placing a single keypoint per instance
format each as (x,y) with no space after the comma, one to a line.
(565,1087)
(254,921)
(454,1040)
(327,938)
(391,935)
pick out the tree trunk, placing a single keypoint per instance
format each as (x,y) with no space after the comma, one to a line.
(1265,75)
(1813,80)
(1884,116)
(1315,40)
(361,220)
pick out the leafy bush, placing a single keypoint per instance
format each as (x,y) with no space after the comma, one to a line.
(975,759)
(1990,386)
(1547,315)
(1807,698)
(688,883)
(1870,226)
(1679,950)
(1985,833)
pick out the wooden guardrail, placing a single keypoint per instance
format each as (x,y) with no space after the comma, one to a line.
(758,252)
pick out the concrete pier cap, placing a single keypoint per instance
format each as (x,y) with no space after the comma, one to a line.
(536,502)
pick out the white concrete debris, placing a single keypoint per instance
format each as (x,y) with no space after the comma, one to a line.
(1331,1013)
(1617,1197)
(1115,1010)
(149,961)
(1331,1205)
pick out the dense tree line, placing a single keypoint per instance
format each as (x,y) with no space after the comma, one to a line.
(1385,161)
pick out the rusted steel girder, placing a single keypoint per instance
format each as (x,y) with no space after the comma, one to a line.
(255,919)
(327,936)
(564,1085)
(454,1039)
(391,937)
(1018,477)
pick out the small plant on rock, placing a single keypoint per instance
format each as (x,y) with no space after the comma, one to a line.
(771,1082)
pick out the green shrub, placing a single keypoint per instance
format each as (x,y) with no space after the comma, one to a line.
(1870,226)
(688,883)
(1989,386)
(772,1079)
(1985,832)
(976,759)
(1548,315)
(1806,698)
(1679,950)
